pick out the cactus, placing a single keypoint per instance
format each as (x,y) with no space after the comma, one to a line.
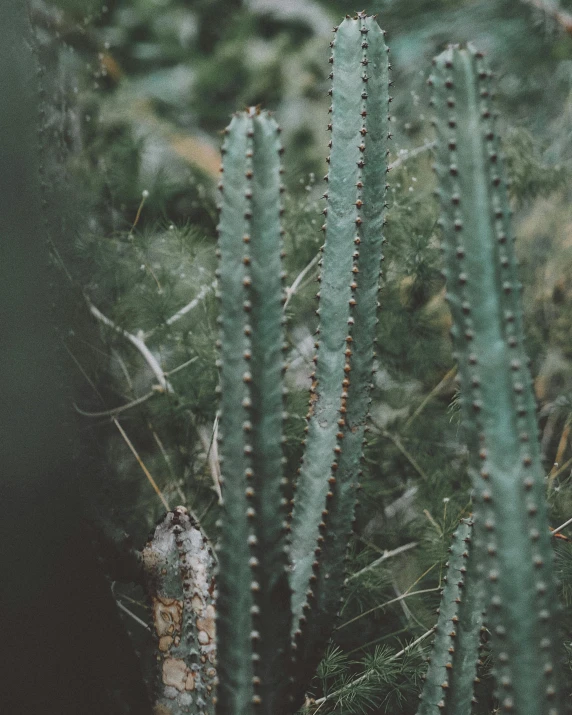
(178,567)
(452,668)
(253,604)
(271,629)
(255,617)
(58,611)
(325,497)
(498,403)
(277,595)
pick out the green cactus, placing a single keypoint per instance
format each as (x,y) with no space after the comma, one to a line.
(254,610)
(453,665)
(254,594)
(326,487)
(498,403)
(280,576)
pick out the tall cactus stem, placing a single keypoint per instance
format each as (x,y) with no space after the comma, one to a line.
(179,573)
(326,489)
(449,681)
(254,594)
(498,403)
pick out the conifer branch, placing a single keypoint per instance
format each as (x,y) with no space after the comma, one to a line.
(399,444)
(291,290)
(397,599)
(404,155)
(363,678)
(142,465)
(562,526)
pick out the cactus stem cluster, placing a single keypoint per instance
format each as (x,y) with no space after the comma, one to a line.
(281,574)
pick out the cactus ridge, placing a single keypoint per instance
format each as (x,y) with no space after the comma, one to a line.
(498,402)
(254,593)
(448,688)
(349,282)
(342,383)
(179,567)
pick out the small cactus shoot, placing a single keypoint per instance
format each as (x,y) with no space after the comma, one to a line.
(449,681)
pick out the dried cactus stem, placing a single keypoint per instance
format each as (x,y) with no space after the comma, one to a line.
(498,404)
(326,491)
(254,594)
(450,677)
(179,572)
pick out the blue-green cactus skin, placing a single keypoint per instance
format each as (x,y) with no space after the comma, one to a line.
(498,403)
(449,681)
(325,497)
(253,606)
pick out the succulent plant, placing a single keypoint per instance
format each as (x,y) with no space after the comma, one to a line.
(253,613)
(279,576)
(326,487)
(511,527)
(276,583)
(453,663)
(179,573)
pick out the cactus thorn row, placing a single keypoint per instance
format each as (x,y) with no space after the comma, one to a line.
(253,608)
(448,688)
(497,398)
(325,499)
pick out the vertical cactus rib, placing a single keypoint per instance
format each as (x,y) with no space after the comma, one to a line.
(253,608)
(449,681)
(498,404)
(234,599)
(325,497)
(179,571)
(269,561)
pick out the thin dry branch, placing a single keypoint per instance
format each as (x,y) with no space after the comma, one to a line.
(142,465)
(137,342)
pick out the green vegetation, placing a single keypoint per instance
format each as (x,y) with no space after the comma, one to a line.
(132,96)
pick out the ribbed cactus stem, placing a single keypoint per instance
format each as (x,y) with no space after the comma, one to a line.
(450,677)
(326,489)
(179,571)
(253,607)
(498,403)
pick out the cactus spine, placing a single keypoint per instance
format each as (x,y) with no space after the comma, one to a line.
(452,669)
(325,497)
(498,403)
(254,595)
